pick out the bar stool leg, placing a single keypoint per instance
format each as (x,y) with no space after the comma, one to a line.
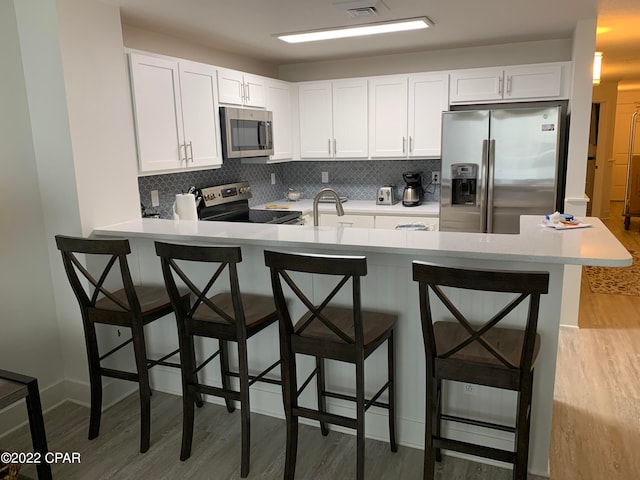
(290,399)
(95,380)
(429,453)
(224,369)
(391,394)
(140,352)
(523,423)
(438,415)
(244,409)
(36,425)
(360,419)
(320,383)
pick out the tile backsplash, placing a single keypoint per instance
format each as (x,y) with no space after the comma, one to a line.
(358,180)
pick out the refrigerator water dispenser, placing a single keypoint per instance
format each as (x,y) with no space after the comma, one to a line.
(464,178)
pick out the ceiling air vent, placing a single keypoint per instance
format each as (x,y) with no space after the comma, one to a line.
(363,8)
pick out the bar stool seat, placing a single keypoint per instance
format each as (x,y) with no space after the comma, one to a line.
(123,304)
(329,332)
(462,345)
(15,387)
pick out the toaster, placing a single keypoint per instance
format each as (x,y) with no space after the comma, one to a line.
(387,195)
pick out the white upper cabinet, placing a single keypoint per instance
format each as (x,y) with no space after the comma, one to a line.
(244,89)
(278,101)
(175,109)
(526,82)
(388,116)
(333,119)
(405,115)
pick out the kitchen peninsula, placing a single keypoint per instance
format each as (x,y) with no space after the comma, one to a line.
(389,286)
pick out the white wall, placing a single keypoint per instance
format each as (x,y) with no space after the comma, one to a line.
(486,56)
(68,164)
(29,137)
(140,39)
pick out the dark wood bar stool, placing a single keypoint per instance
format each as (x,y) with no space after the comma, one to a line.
(13,388)
(227,316)
(479,353)
(347,334)
(131,306)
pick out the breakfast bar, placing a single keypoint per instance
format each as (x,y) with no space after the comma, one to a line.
(388,286)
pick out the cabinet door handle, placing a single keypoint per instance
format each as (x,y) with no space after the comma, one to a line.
(190,151)
(335,148)
(500,82)
(241,88)
(247,94)
(410,144)
(329,141)
(404,144)
(509,85)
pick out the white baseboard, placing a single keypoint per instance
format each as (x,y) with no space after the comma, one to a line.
(15,416)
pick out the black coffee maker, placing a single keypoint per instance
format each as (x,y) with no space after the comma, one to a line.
(413,193)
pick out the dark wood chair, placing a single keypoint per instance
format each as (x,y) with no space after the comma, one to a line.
(228,316)
(326,331)
(462,350)
(128,305)
(13,388)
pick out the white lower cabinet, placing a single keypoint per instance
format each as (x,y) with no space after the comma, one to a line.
(364,220)
(392,221)
(348,220)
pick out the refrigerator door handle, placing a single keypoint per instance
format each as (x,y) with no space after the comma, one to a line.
(490,178)
(483,192)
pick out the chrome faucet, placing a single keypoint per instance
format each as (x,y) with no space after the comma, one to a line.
(319,195)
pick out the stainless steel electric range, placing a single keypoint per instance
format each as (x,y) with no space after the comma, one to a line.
(230,203)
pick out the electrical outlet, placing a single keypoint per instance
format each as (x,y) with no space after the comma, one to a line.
(469,388)
(155,199)
(435,178)
(325,177)
(273,179)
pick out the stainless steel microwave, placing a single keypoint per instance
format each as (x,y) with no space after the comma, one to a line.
(246,132)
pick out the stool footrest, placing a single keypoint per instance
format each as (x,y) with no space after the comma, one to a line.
(325,417)
(216,391)
(474,449)
(478,423)
(352,398)
(120,374)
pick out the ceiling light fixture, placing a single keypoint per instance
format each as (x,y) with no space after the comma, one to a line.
(597,67)
(356,31)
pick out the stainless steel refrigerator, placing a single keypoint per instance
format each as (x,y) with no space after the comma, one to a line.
(498,164)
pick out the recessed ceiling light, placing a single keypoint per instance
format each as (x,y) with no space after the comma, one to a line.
(356,31)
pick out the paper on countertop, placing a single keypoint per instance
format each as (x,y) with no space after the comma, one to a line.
(571,225)
(273,206)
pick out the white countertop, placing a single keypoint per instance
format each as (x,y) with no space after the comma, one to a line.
(368,207)
(586,246)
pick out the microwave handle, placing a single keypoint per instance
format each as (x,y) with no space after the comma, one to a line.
(264,135)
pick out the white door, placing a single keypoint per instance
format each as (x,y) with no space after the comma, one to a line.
(538,81)
(388,117)
(230,87)
(316,127)
(428,98)
(279,103)
(476,85)
(254,91)
(350,120)
(158,113)
(200,114)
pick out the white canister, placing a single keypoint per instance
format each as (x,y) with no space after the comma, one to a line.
(184,208)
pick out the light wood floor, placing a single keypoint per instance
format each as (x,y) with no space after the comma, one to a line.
(596,420)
